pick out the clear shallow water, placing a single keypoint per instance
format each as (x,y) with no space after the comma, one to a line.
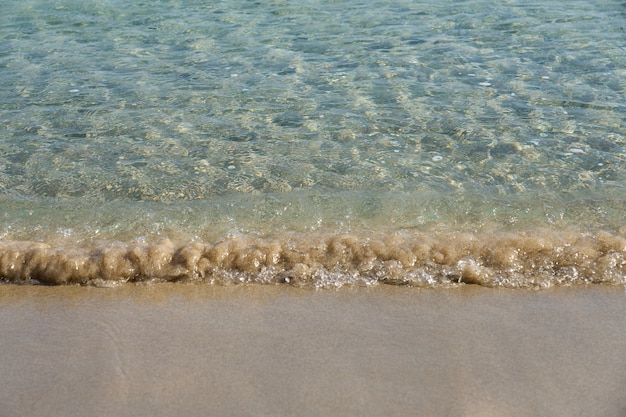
(303,124)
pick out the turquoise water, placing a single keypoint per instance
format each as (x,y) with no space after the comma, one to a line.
(281,127)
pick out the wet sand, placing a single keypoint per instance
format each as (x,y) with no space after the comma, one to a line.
(198,350)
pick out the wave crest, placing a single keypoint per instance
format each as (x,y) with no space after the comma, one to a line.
(536,258)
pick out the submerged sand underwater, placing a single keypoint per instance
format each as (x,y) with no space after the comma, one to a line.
(197,350)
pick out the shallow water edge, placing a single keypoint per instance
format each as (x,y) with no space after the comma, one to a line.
(531,258)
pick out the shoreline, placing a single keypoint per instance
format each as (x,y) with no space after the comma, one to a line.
(168,349)
(523,258)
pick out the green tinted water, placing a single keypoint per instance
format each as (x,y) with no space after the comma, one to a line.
(201,120)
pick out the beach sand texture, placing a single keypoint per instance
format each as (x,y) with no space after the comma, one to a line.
(195,350)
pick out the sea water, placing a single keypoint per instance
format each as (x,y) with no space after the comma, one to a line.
(316,143)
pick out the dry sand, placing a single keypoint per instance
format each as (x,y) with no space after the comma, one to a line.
(198,350)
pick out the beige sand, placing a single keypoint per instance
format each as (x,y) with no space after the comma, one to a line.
(197,350)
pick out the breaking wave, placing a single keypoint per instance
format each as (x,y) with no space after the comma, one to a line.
(521,259)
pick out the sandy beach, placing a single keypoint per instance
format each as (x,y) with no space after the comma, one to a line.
(197,350)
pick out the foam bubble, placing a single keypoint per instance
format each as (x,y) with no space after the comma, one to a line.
(536,258)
